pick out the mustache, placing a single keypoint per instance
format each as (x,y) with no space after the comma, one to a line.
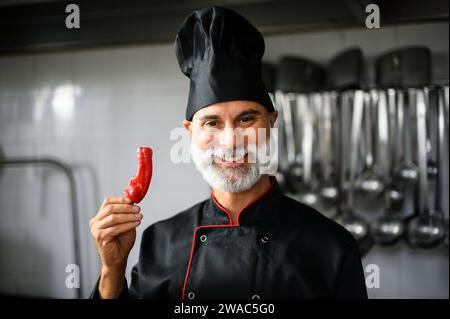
(237,154)
(226,154)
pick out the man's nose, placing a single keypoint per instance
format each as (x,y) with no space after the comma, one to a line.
(228,138)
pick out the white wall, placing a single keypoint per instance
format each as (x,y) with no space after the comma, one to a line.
(130,96)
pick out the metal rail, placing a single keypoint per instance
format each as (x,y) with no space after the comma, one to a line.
(68,172)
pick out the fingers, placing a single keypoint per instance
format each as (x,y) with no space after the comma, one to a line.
(117,230)
(117,209)
(115,200)
(115,219)
(114,205)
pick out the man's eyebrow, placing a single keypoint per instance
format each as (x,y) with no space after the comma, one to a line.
(241,114)
(248,112)
(209,117)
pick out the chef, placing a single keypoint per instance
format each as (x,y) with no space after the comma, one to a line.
(247,240)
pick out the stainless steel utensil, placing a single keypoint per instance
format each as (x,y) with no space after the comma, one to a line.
(407,173)
(394,193)
(432,169)
(306,105)
(371,183)
(353,223)
(426,229)
(294,169)
(389,229)
(329,191)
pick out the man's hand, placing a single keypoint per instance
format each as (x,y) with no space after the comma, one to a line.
(114,232)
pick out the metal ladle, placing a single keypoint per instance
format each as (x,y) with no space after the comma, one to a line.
(329,191)
(407,173)
(371,182)
(306,105)
(347,100)
(388,229)
(294,170)
(394,194)
(354,224)
(432,166)
(342,151)
(283,164)
(440,148)
(444,99)
(426,229)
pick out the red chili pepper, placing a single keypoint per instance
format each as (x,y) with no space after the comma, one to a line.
(138,185)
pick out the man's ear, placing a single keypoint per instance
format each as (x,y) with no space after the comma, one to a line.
(273,118)
(188,126)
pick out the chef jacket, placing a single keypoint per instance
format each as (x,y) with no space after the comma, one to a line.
(279,248)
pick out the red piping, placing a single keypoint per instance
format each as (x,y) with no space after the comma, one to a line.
(217,226)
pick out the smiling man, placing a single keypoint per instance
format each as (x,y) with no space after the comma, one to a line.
(247,240)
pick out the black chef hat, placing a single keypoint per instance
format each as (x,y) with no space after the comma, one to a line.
(221,52)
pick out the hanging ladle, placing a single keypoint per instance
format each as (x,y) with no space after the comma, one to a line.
(407,173)
(329,191)
(394,194)
(426,229)
(306,106)
(440,148)
(295,170)
(444,100)
(354,224)
(371,182)
(432,166)
(389,229)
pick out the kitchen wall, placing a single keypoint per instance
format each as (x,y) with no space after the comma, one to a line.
(92,108)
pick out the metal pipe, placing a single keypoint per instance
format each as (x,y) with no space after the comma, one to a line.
(67,170)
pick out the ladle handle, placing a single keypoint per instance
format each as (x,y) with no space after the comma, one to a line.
(306,104)
(368,133)
(440,148)
(382,137)
(422,149)
(358,105)
(344,137)
(283,102)
(395,118)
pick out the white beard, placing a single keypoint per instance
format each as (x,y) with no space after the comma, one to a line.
(227,179)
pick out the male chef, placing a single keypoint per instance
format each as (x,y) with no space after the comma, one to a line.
(247,240)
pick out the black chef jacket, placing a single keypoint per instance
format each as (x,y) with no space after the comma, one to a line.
(280,248)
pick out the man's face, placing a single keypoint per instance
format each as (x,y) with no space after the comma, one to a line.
(226,137)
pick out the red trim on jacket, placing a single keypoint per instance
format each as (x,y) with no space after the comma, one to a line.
(230,225)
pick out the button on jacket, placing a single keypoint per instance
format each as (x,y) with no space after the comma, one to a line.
(279,248)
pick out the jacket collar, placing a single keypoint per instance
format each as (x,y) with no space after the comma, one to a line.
(252,214)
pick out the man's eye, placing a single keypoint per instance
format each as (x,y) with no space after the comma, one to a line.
(211,123)
(246,119)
